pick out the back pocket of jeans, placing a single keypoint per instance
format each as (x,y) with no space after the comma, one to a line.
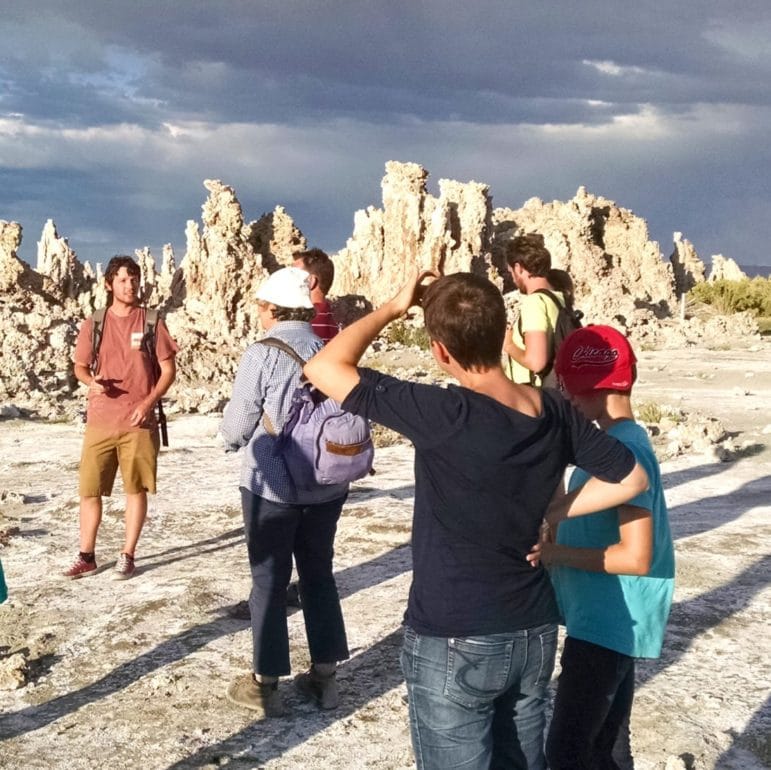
(477,670)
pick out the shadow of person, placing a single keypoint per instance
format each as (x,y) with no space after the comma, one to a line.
(375,671)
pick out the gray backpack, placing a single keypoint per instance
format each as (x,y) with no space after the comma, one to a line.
(320,442)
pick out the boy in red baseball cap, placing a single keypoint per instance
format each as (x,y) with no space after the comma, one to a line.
(613,571)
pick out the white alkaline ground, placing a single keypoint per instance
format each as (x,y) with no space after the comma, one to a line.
(103,673)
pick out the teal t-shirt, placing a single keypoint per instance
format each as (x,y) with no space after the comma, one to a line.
(625,613)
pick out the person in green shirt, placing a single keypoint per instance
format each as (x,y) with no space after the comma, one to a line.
(529,344)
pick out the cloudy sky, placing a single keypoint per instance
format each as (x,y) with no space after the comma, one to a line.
(113,112)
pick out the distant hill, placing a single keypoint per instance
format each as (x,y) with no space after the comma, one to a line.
(752,270)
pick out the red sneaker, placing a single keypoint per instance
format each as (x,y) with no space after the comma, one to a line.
(80,568)
(124,567)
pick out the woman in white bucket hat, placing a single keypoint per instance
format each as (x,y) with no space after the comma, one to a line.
(279,521)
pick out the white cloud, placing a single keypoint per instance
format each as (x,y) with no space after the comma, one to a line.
(613,69)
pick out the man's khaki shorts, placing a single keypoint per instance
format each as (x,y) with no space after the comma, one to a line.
(104,450)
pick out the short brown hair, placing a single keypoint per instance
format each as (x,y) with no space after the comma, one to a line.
(466,313)
(529,250)
(317,263)
(116,263)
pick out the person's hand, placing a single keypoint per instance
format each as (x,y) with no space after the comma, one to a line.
(411,294)
(97,386)
(508,342)
(534,557)
(139,415)
(541,550)
(541,554)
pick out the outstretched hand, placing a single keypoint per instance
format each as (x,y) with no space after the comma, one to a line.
(411,294)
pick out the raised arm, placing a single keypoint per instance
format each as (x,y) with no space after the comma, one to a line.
(333,370)
(632,554)
(596,495)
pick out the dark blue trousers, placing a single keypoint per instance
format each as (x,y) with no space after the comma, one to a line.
(274,533)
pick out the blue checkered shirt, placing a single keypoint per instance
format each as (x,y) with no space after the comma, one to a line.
(264,384)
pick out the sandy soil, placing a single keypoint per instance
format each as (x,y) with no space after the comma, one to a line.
(132,674)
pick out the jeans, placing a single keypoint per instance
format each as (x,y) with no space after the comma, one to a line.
(275,532)
(478,702)
(591,708)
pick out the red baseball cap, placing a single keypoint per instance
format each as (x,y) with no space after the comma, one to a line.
(595,358)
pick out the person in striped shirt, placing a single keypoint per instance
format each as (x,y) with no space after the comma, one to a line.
(322,271)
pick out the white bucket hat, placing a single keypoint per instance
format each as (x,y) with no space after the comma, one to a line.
(287,287)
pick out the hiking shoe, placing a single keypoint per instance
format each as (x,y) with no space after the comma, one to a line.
(124,567)
(322,689)
(240,610)
(263,698)
(80,568)
(293,595)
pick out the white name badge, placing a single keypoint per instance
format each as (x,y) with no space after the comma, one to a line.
(136,340)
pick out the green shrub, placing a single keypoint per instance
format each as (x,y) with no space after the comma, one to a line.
(729,297)
(410,336)
(649,413)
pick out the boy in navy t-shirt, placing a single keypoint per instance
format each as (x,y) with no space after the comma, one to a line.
(481,633)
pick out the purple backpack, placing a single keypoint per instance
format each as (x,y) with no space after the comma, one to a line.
(320,442)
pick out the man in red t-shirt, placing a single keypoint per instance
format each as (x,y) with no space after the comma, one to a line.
(322,270)
(121,429)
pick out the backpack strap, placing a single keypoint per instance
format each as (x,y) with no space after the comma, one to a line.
(553,297)
(148,345)
(560,306)
(275,342)
(97,329)
(148,341)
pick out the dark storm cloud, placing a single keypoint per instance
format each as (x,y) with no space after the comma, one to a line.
(484,61)
(111,114)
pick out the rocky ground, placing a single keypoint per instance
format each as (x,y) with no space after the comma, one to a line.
(132,674)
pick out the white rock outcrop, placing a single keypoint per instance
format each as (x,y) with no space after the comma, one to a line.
(209,299)
(725,269)
(450,233)
(688,268)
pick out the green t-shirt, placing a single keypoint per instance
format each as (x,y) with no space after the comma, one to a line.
(537,313)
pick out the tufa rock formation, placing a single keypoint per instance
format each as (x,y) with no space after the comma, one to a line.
(209,299)
(11,267)
(617,271)
(725,269)
(39,320)
(65,273)
(449,233)
(688,268)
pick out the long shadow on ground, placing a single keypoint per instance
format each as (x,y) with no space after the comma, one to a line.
(689,619)
(376,671)
(700,516)
(756,739)
(180,552)
(351,580)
